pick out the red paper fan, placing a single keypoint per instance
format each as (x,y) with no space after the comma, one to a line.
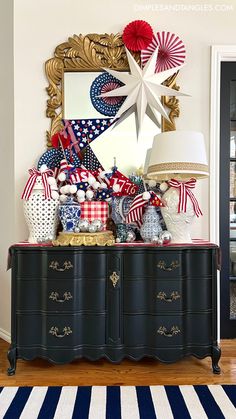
(137,35)
(171,51)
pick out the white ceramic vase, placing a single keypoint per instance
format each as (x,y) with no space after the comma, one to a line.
(41,214)
(178,224)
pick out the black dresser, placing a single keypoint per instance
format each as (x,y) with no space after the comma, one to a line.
(114,302)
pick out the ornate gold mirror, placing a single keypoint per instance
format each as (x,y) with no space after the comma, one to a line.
(70,73)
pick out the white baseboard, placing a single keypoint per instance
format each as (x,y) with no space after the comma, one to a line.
(5,335)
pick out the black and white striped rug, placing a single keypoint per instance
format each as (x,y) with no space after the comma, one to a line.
(127,402)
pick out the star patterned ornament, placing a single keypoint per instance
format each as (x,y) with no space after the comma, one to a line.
(143,88)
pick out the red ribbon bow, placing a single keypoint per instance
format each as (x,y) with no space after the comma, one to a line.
(184,193)
(34,173)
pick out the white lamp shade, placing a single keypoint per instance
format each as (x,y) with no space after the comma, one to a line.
(147,161)
(178,154)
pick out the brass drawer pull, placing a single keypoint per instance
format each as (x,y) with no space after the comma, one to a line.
(56,266)
(55,297)
(114,278)
(162,265)
(173,331)
(55,332)
(173,296)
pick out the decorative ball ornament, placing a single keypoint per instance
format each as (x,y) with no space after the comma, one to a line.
(163,186)
(51,180)
(55,195)
(165,236)
(118,240)
(73,189)
(98,224)
(160,242)
(77,230)
(80,200)
(146,196)
(89,194)
(137,35)
(130,237)
(83,224)
(152,183)
(80,193)
(92,228)
(62,177)
(96,185)
(63,198)
(155,240)
(43,168)
(67,188)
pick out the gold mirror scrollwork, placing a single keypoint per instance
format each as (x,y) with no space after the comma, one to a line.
(93,52)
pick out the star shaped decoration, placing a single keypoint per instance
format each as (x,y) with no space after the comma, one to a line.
(143,89)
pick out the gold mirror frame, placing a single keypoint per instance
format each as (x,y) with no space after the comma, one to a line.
(92,52)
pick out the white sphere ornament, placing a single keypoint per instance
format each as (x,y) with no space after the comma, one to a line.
(91,180)
(92,228)
(116,188)
(55,195)
(155,240)
(165,236)
(63,198)
(62,190)
(51,180)
(67,188)
(89,194)
(96,185)
(146,196)
(152,183)
(81,200)
(73,189)
(83,224)
(163,186)
(62,177)
(80,193)
(43,168)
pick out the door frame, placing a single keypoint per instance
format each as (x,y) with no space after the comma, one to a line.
(219,53)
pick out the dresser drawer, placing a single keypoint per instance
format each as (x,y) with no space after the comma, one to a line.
(167,330)
(60,330)
(76,265)
(61,296)
(162,296)
(160,264)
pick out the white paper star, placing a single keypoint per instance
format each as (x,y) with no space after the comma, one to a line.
(143,89)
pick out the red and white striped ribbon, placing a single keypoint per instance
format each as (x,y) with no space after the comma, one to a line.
(34,173)
(136,210)
(184,193)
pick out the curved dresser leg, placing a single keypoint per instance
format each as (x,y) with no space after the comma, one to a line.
(11,355)
(216,353)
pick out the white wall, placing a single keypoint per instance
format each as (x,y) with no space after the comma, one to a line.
(40,26)
(6,159)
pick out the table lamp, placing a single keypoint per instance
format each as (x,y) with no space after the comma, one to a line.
(178,157)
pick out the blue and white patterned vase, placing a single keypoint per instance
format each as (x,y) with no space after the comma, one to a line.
(69,214)
(151,226)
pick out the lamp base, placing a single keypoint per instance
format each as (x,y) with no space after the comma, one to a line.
(177,223)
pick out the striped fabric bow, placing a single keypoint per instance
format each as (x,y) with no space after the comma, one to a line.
(184,193)
(34,173)
(136,211)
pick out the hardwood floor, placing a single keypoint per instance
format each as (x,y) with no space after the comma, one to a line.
(145,372)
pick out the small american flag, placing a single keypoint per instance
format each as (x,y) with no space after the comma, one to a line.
(136,210)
